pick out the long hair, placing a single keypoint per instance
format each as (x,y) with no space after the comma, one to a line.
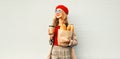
(56,20)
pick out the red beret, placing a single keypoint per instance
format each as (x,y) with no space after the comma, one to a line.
(64,8)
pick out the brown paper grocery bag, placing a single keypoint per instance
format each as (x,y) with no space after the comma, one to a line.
(63,36)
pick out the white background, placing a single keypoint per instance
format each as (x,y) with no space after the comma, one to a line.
(24,25)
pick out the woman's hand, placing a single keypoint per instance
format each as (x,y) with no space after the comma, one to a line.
(51,36)
(51,30)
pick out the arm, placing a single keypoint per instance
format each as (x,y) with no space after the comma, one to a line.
(51,35)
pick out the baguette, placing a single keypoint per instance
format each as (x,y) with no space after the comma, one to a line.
(63,27)
(69,27)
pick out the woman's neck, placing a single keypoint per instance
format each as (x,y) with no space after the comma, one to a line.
(60,22)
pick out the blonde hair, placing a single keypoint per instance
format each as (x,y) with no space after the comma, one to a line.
(56,20)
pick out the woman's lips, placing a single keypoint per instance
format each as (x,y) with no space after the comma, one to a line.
(57,14)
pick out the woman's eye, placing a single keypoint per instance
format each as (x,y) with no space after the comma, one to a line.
(58,11)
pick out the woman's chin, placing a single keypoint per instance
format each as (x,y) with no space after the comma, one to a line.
(58,17)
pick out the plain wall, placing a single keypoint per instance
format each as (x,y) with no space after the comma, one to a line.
(24,26)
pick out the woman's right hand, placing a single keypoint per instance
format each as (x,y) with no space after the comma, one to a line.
(50,31)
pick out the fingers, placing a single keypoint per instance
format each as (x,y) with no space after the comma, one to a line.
(51,36)
(48,31)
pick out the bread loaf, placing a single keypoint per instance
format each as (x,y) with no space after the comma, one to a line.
(72,28)
(69,27)
(63,27)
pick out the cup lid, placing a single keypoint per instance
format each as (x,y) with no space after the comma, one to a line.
(51,26)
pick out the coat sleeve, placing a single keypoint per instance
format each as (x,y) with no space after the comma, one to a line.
(51,39)
(73,41)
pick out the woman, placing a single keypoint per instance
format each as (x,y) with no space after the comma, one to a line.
(61,52)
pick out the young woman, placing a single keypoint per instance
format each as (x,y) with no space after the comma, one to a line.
(61,52)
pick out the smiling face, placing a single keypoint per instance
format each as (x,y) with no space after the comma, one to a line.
(60,15)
